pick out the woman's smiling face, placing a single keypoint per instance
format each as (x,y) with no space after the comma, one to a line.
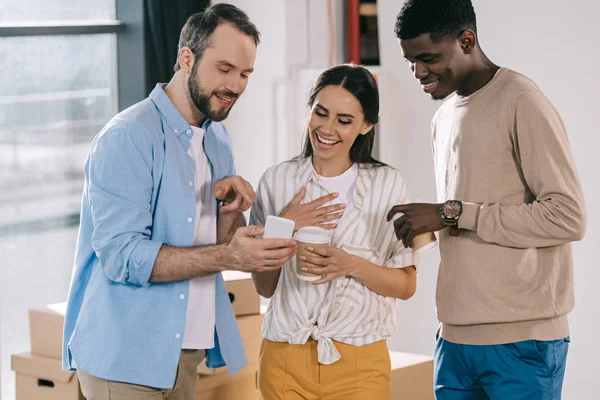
(336,120)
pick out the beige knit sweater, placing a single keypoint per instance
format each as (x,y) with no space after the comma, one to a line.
(508,276)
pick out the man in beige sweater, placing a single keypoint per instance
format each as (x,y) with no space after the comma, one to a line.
(510,206)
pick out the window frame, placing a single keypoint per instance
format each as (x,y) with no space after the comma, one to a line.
(49,28)
(128,26)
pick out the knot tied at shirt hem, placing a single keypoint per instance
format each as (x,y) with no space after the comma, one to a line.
(326,350)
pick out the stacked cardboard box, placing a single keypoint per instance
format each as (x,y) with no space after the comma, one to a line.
(216,384)
(412,376)
(243,296)
(412,379)
(39,375)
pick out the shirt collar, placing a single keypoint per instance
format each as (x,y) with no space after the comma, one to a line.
(173,117)
(306,171)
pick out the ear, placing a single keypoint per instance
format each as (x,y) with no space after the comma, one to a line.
(186,60)
(468,40)
(366,128)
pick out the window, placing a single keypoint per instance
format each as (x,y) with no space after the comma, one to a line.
(56,93)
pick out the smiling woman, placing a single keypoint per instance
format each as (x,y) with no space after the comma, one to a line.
(333,127)
(344,100)
(349,311)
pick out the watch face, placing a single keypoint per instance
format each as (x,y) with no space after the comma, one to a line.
(452,209)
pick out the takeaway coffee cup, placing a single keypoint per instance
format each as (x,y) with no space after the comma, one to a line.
(422,242)
(309,236)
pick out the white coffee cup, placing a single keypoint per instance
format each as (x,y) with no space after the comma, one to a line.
(420,243)
(309,236)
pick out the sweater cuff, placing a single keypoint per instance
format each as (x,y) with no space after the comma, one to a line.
(469,216)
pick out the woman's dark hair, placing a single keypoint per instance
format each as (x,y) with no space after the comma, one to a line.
(361,83)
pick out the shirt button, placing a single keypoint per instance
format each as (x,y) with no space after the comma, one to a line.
(190,219)
(182,296)
(188,131)
(175,130)
(191,183)
(177,336)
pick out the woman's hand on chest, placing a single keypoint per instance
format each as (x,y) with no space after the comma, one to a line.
(315,213)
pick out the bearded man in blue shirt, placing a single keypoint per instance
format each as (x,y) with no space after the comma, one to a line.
(147,301)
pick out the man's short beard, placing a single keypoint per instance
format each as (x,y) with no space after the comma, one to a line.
(201,99)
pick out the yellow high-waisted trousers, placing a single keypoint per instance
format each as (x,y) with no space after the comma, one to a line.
(292,372)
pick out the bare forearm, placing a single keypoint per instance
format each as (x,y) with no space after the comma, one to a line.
(227,224)
(266,282)
(182,263)
(400,283)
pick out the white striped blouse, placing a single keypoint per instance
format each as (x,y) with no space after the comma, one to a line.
(343,310)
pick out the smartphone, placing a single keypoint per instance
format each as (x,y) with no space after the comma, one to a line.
(278,228)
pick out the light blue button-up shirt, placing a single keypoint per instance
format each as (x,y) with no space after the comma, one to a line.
(136,197)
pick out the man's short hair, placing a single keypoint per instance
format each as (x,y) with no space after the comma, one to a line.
(199,27)
(442,19)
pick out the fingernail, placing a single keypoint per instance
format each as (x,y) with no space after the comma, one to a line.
(304,269)
(336,194)
(309,249)
(303,258)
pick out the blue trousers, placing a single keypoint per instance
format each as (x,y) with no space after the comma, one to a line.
(529,370)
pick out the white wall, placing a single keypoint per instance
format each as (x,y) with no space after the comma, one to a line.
(294,36)
(557,45)
(251,123)
(404,139)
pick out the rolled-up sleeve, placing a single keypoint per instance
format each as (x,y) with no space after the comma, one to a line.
(260,209)
(400,256)
(119,186)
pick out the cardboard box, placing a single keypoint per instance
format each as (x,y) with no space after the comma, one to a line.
(46,330)
(41,378)
(412,379)
(412,376)
(242,386)
(46,323)
(250,329)
(243,296)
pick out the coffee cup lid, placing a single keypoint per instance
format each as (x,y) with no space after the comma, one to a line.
(312,234)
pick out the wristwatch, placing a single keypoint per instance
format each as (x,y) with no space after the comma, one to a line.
(451,211)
